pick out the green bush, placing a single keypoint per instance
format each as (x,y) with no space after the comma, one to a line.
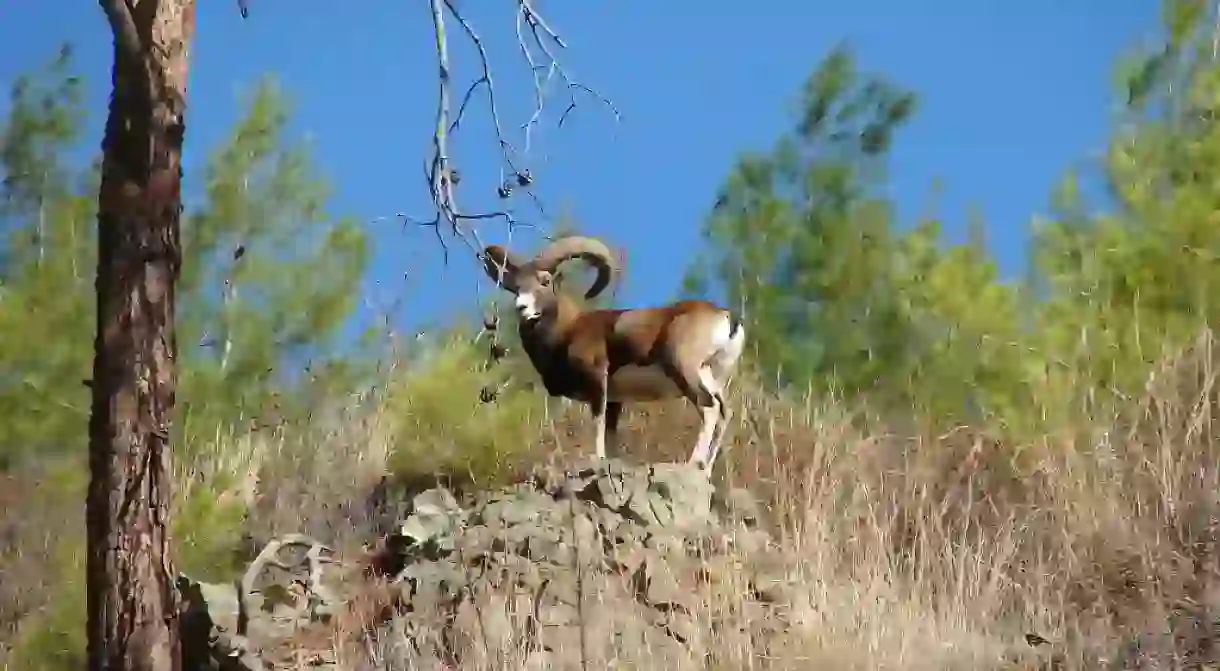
(441,423)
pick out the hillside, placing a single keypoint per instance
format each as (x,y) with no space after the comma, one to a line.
(860,550)
(827,540)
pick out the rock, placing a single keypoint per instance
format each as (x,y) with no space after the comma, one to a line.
(615,553)
(435,515)
(208,641)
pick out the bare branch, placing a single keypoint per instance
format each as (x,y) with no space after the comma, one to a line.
(440,174)
(490,86)
(542,37)
(577,86)
(1216,32)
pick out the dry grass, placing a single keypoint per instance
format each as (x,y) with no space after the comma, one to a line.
(908,552)
(944,551)
(37,503)
(931,550)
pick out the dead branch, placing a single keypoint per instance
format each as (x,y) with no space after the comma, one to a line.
(542,37)
(440,174)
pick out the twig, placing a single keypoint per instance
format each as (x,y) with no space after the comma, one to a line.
(1216,32)
(505,146)
(440,174)
(228,298)
(542,34)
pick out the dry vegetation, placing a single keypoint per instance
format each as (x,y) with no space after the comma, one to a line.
(904,551)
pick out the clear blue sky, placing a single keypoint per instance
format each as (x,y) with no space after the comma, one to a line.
(1012,93)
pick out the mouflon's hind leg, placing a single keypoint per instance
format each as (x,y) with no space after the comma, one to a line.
(719,417)
(722,427)
(598,407)
(714,375)
(719,386)
(614,410)
(701,456)
(695,390)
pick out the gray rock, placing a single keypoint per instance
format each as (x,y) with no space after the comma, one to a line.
(515,577)
(435,515)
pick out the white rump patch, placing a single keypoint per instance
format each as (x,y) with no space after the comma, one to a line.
(727,346)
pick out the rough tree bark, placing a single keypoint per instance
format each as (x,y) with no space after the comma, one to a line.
(132,600)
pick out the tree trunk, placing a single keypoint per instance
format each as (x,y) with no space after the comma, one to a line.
(132,600)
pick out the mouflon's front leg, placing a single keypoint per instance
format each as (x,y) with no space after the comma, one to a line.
(598,401)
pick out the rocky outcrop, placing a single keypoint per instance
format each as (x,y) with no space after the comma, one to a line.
(566,570)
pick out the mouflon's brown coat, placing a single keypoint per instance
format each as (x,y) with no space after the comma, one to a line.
(608,357)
